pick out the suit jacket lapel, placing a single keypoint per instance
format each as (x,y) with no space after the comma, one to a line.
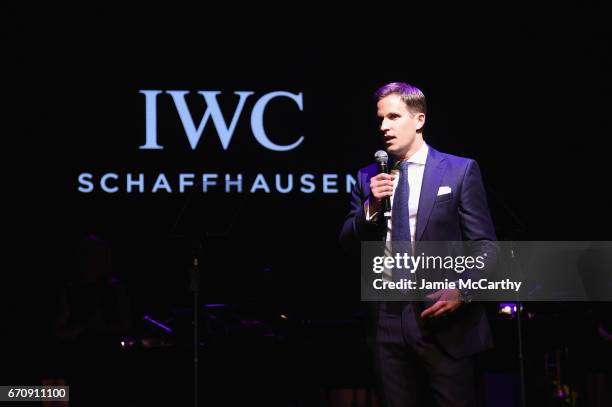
(432,178)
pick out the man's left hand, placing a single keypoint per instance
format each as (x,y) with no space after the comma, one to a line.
(447,301)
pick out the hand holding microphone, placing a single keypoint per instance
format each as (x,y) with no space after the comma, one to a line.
(381,186)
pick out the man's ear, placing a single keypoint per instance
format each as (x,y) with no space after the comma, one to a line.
(420,121)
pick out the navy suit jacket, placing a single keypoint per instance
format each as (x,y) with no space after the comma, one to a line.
(461,215)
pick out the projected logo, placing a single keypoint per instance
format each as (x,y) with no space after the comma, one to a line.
(213,111)
(206,182)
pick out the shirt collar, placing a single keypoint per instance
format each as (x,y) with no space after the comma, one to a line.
(420,157)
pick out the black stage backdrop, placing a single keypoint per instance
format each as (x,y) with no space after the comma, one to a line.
(525,92)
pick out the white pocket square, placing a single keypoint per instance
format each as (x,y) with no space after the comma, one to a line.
(444,191)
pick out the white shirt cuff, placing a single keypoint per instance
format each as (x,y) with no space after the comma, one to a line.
(369,217)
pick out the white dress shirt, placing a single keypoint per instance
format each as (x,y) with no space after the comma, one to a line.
(416,168)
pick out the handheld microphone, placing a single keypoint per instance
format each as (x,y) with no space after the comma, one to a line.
(381,159)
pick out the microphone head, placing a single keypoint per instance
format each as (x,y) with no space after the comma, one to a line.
(381,157)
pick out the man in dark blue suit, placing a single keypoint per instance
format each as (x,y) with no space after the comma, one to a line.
(423,351)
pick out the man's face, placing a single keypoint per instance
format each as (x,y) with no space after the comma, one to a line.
(398,125)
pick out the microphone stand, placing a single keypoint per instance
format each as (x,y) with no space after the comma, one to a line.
(195,288)
(519,227)
(194,285)
(519,334)
(194,282)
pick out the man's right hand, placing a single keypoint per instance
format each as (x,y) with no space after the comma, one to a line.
(381,187)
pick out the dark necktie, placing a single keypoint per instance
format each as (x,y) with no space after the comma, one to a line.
(400,221)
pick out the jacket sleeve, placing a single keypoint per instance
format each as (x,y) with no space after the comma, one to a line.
(475,218)
(477,228)
(356,227)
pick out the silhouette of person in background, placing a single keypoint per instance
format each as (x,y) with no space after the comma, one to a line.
(593,353)
(93,317)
